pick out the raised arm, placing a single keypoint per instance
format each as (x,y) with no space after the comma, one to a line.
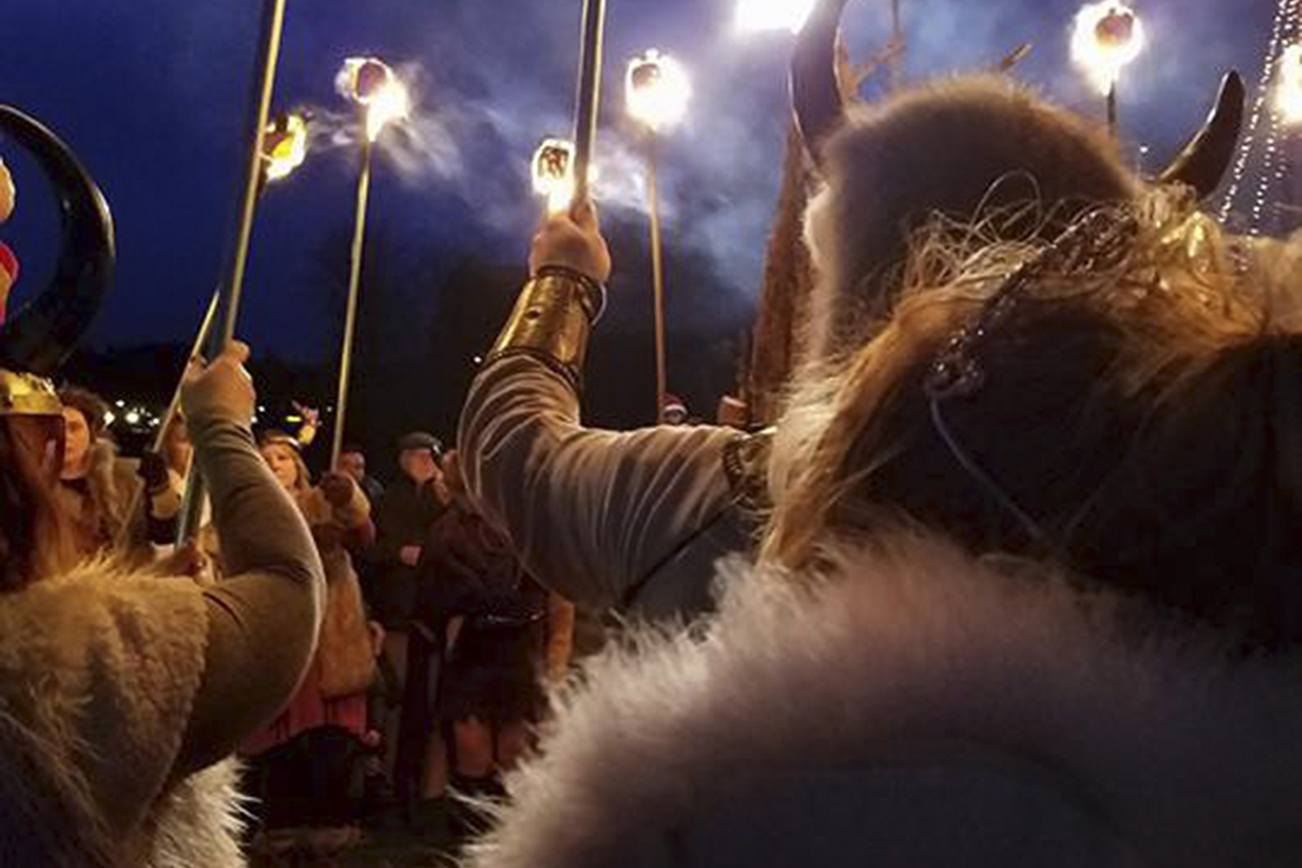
(591,513)
(263,620)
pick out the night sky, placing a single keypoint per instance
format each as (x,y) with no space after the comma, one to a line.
(153,95)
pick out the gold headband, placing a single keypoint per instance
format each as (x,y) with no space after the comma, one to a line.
(27,395)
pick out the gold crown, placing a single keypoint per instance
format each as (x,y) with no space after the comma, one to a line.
(27,395)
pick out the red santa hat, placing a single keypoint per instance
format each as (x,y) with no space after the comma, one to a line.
(672,404)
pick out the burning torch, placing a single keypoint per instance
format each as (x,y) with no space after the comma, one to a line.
(381,99)
(284,149)
(657,93)
(773,14)
(552,170)
(1108,37)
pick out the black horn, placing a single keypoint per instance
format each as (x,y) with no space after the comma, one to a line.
(1203,162)
(815,92)
(45,332)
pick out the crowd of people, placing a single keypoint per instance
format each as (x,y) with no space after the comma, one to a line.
(1010,582)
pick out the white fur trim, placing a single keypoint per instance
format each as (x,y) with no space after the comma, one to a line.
(1191,759)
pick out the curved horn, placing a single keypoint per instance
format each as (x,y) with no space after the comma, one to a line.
(1203,162)
(45,332)
(815,93)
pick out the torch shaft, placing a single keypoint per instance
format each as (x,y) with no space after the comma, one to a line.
(196,352)
(273,25)
(354,291)
(1112,109)
(657,274)
(588,103)
(174,407)
(897,34)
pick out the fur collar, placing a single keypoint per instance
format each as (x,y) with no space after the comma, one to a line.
(805,710)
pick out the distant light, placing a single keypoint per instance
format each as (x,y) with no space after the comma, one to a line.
(120,404)
(657,90)
(109,418)
(133,418)
(479,360)
(790,15)
(294,420)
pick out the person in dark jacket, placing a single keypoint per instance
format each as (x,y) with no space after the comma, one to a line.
(491,618)
(403,519)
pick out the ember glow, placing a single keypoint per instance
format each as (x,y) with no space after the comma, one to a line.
(658,90)
(553,173)
(1108,36)
(773,14)
(1288,94)
(286,146)
(370,83)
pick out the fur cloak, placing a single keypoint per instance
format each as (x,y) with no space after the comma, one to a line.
(98,673)
(916,708)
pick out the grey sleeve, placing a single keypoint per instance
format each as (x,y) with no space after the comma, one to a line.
(591,513)
(263,619)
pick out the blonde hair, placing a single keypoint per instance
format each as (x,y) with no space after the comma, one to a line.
(1093,369)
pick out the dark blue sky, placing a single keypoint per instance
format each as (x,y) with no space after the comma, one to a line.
(152,93)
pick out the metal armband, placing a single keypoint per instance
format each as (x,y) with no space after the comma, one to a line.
(552,321)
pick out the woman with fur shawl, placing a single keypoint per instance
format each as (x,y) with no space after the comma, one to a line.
(1028,591)
(122,694)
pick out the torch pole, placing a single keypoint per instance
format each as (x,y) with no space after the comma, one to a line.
(897,35)
(196,353)
(354,290)
(273,25)
(657,273)
(588,102)
(1112,109)
(174,407)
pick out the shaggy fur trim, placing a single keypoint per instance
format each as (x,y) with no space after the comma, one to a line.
(958,147)
(1183,752)
(98,672)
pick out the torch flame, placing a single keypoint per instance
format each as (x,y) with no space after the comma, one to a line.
(1108,36)
(372,84)
(286,146)
(1288,96)
(773,14)
(553,173)
(657,90)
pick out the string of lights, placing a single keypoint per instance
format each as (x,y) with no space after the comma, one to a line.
(1266,128)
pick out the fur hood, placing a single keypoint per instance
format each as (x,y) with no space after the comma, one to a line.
(916,708)
(98,673)
(962,146)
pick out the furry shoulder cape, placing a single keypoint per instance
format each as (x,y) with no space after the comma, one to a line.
(98,673)
(916,708)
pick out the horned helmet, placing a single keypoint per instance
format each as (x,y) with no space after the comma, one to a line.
(38,339)
(957,147)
